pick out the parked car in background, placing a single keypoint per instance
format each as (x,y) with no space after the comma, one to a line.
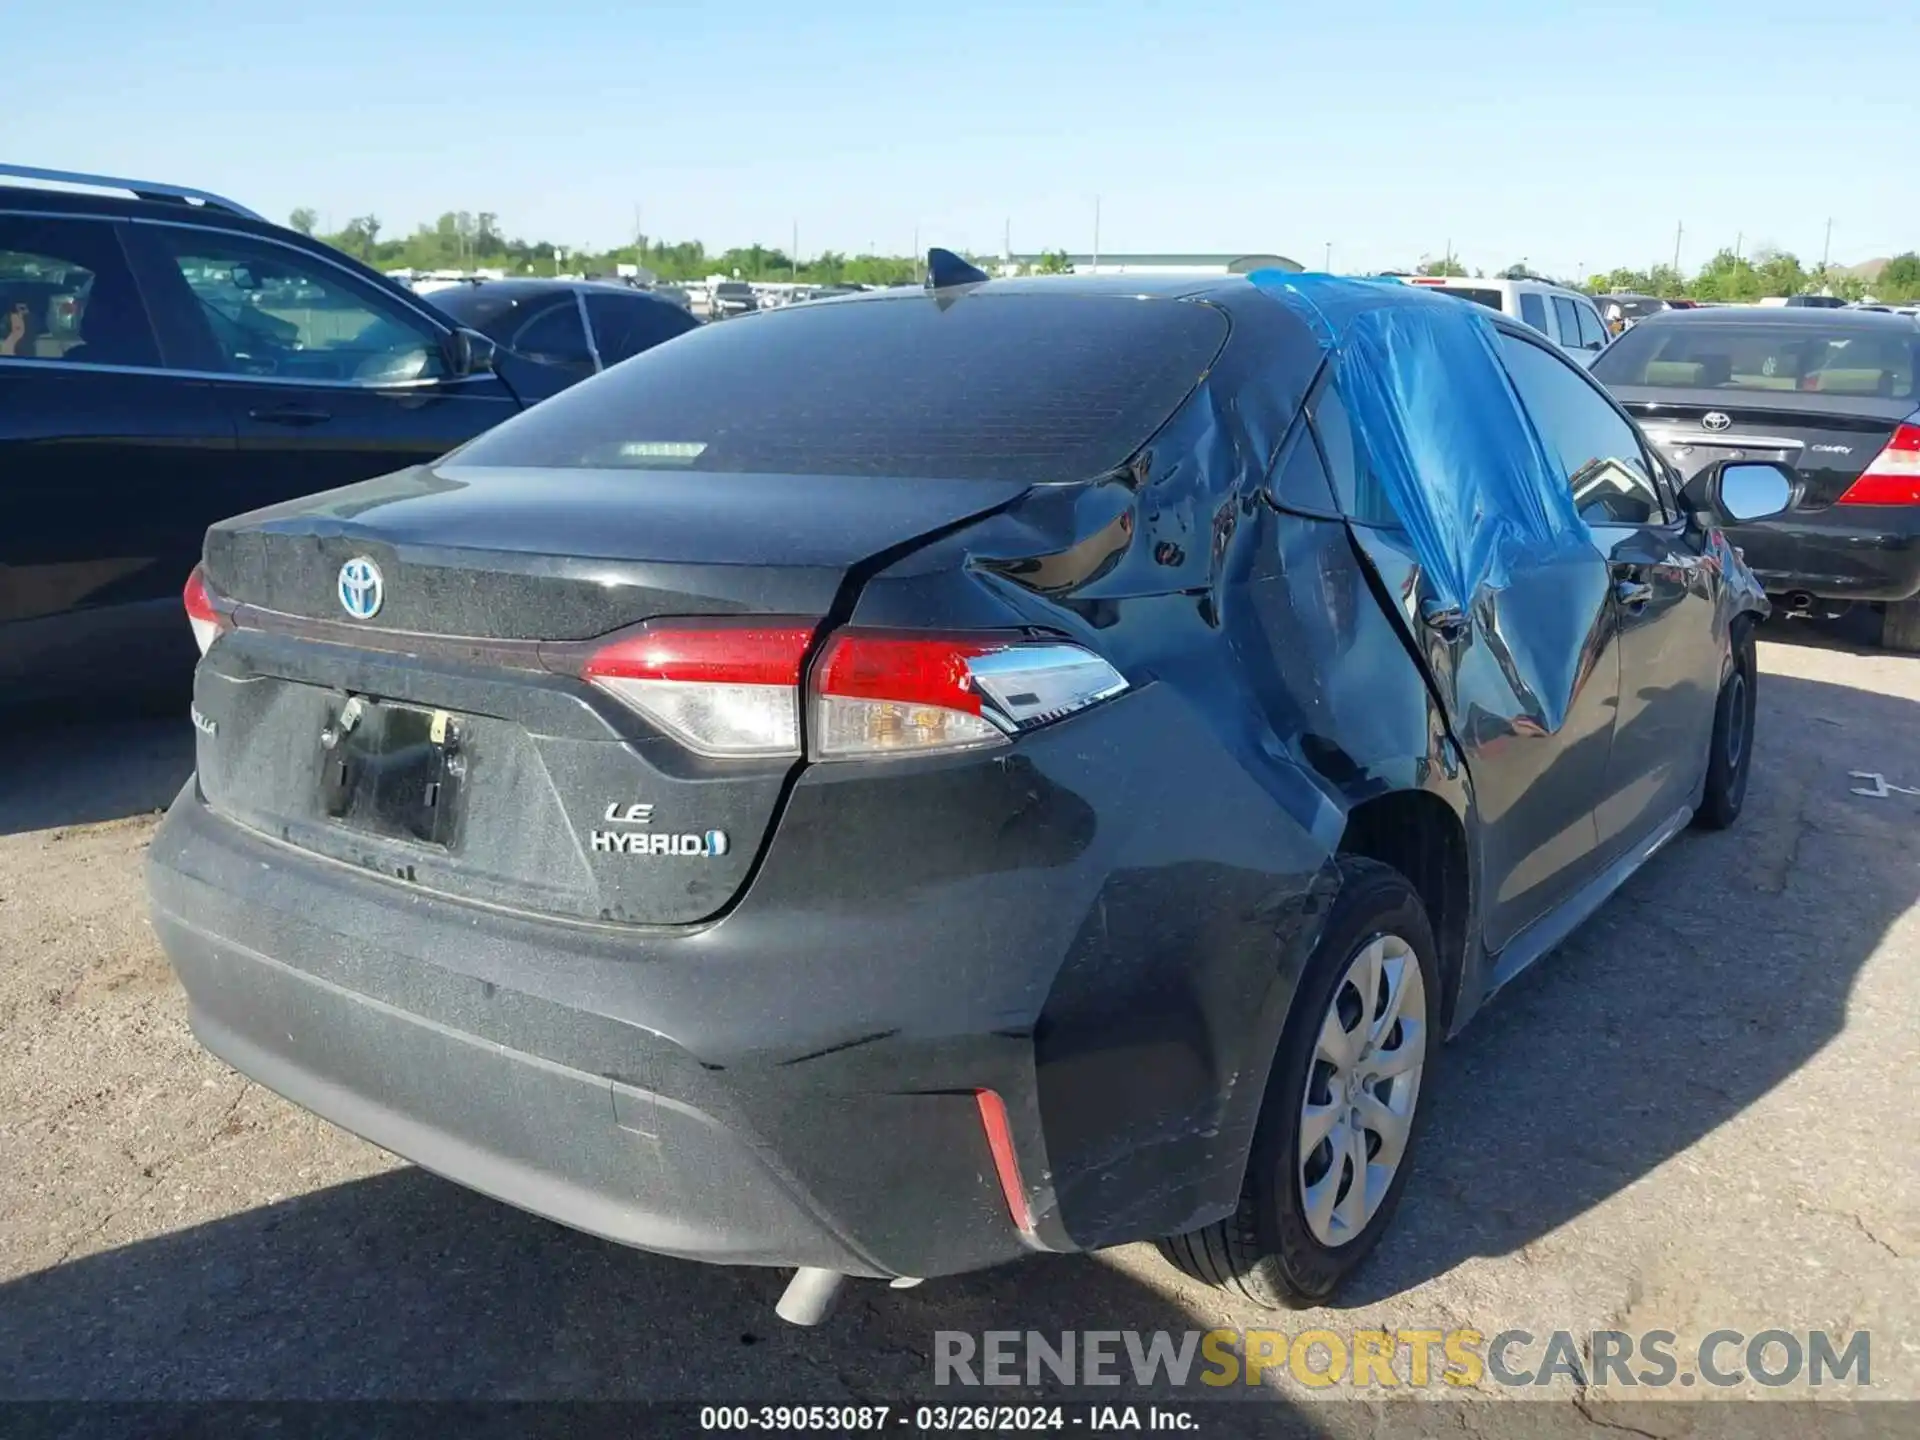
(183,360)
(1282,663)
(729,298)
(1566,317)
(1830,392)
(554,333)
(1622,310)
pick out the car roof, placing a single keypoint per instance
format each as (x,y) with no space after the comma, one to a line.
(1812,316)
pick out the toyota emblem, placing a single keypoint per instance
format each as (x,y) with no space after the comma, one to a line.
(1716,420)
(361,589)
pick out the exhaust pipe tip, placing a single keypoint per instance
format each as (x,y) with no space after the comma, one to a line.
(810,1295)
(1799,602)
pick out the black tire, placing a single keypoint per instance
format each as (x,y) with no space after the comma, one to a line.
(1900,626)
(1730,753)
(1265,1252)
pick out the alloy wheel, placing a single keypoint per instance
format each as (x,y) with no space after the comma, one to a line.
(1362,1087)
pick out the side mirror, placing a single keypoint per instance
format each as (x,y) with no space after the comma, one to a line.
(1738,491)
(468,352)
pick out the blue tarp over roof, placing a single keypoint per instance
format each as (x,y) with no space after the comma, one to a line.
(1443,432)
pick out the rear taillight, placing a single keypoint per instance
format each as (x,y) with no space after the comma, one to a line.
(733,689)
(1894,476)
(719,688)
(206,621)
(881,694)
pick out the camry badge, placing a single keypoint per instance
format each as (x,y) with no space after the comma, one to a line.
(1716,420)
(361,589)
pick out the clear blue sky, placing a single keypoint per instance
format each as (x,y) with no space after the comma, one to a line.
(1573,139)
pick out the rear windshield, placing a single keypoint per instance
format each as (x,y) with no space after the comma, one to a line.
(1489,298)
(1702,355)
(1027,387)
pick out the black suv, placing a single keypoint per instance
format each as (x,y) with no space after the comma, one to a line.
(168,358)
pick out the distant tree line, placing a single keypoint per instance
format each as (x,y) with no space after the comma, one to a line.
(1729,277)
(466,240)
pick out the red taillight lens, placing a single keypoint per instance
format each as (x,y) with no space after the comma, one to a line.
(880,694)
(1894,476)
(721,689)
(206,621)
(732,688)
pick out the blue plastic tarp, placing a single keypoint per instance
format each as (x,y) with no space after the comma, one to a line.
(1444,434)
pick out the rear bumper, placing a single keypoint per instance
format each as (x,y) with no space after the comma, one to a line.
(320,985)
(795,1084)
(1841,553)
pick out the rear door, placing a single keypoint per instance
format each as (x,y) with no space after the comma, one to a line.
(1529,679)
(1823,395)
(326,378)
(105,468)
(1663,597)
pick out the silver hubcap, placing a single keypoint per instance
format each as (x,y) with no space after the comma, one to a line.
(1361,1089)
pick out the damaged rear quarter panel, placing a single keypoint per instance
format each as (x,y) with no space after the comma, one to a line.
(1271,695)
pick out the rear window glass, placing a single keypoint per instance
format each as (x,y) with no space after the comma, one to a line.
(1489,298)
(1020,387)
(1807,358)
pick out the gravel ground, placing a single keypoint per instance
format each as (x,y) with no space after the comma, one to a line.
(1698,1115)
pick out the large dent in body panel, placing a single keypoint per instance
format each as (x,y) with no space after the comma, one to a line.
(1443,430)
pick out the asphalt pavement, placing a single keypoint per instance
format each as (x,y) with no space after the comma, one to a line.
(1698,1115)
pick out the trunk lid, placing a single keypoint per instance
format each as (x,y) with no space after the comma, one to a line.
(1828,439)
(437,741)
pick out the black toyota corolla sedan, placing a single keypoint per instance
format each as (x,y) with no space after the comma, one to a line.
(898,783)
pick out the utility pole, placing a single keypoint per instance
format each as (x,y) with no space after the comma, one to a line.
(1446,260)
(1006,240)
(1096,235)
(1679,229)
(1326,266)
(1827,248)
(1738,237)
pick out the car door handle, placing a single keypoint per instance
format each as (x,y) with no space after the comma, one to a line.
(290,415)
(1632,594)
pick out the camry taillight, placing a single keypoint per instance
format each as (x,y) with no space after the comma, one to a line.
(206,621)
(1894,476)
(734,689)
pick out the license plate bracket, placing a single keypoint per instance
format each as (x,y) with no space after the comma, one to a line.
(393,770)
